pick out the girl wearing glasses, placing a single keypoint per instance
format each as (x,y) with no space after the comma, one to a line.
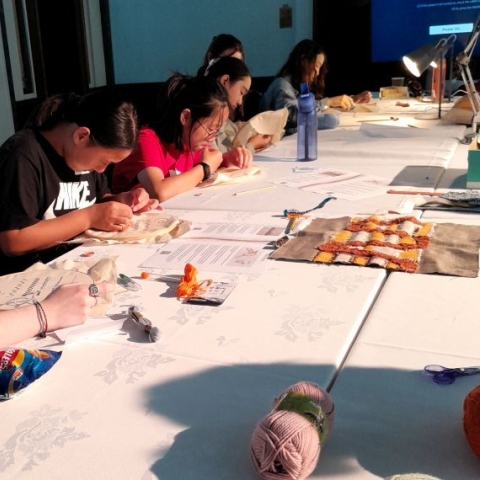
(234,75)
(175,153)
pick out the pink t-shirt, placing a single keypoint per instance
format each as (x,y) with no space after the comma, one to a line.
(151,152)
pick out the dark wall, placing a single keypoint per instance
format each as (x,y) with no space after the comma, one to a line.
(343,28)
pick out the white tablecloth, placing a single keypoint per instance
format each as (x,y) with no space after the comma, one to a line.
(405,157)
(117,406)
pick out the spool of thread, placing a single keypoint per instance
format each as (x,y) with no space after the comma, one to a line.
(286,444)
(471,419)
(145,324)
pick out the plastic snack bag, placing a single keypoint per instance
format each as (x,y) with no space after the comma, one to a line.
(19,368)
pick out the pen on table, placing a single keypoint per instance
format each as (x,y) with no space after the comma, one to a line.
(129,283)
(390,119)
(304,169)
(418,192)
(255,190)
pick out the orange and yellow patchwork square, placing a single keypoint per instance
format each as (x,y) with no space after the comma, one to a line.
(395,244)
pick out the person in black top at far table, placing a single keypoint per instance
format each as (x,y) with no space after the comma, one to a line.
(51,183)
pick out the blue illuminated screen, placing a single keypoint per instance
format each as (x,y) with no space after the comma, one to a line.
(401,26)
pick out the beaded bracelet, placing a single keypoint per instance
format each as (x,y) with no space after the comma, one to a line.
(42,319)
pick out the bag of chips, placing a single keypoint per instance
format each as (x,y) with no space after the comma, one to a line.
(19,368)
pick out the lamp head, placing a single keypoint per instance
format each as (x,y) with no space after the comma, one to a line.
(428,55)
(419,60)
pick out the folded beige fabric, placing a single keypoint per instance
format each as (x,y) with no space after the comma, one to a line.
(151,227)
(103,270)
(271,122)
(39,280)
(461,112)
(232,175)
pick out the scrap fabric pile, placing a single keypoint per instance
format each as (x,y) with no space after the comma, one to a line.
(468,201)
(393,244)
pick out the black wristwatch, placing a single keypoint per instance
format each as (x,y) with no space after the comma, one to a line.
(206,171)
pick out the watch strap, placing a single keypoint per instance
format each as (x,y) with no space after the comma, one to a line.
(206,171)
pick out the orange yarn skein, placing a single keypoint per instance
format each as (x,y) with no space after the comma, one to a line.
(286,444)
(189,286)
(471,419)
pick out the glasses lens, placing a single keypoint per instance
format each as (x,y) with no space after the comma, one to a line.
(210,135)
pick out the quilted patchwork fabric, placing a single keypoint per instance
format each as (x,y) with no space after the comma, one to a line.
(395,244)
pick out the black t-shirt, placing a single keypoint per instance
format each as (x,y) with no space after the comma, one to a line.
(36,184)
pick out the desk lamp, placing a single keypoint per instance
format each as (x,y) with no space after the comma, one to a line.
(463,60)
(427,55)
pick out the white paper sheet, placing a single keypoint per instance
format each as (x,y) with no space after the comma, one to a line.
(337,183)
(234,231)
(211,255)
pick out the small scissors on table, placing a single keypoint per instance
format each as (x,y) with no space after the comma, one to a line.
(446,376)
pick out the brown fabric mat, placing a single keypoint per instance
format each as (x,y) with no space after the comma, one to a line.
(453,248)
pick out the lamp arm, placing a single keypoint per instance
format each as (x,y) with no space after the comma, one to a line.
(473,95)
(464,57)
(472,41)
(463,60)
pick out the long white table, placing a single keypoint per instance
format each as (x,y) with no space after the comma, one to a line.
(404,157)
(177,408)
(117,406)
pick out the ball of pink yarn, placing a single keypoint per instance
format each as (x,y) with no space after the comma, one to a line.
(286,445)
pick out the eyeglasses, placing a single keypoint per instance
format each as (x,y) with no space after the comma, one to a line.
(210,135)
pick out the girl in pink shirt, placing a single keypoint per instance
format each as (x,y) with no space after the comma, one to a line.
(175,153)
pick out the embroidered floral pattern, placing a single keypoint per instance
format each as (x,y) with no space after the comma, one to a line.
(132,364)
(44,430)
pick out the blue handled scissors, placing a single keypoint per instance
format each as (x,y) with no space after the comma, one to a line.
(446,376)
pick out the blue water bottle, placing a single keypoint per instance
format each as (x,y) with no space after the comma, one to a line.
(306,125)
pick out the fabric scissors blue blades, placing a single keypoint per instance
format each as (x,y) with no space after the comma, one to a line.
(446,376)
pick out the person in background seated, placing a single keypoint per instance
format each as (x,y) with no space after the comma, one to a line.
(306,63)
(51,183)
(234,75)
(66,306)
(175,154)
(222,45)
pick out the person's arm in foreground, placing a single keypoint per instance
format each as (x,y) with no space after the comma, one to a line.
(66,306)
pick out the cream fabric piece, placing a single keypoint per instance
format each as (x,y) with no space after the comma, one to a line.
(460,113)
(271,122)
(232,175)
(97,271)
(145,226)
(148,228)
(39,280)
(36,282)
